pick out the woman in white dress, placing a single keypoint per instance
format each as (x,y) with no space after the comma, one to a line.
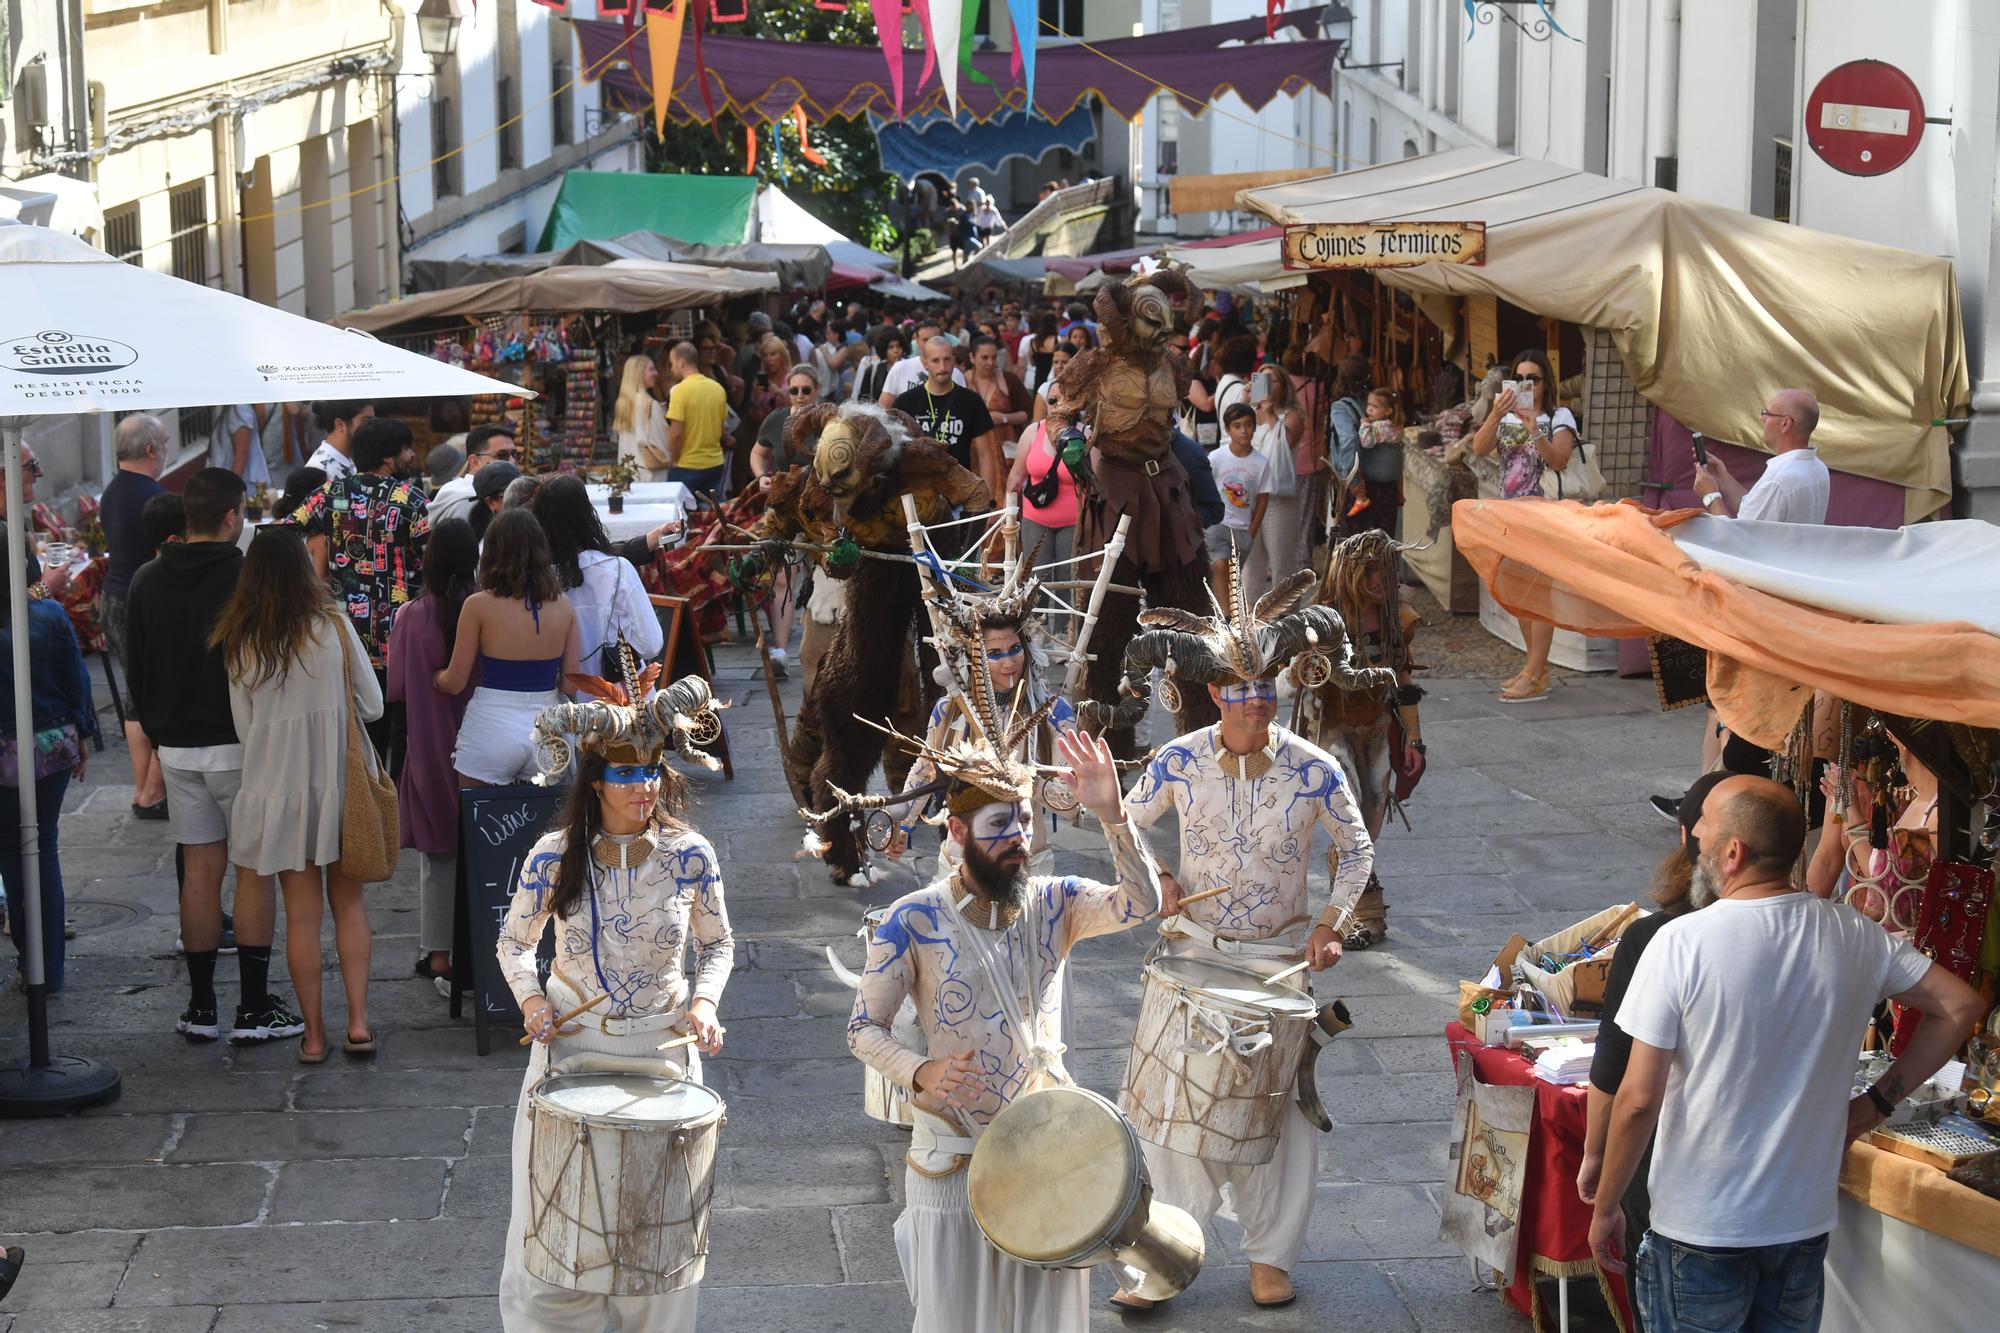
(603,589)
(296,669)
(639,420)
(630,887)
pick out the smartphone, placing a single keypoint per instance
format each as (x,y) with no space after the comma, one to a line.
(1260,386)
(1522,399)
(1700,448)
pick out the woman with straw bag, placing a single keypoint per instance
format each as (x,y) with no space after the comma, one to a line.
(317,808)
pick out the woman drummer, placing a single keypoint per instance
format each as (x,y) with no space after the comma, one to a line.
(628,884)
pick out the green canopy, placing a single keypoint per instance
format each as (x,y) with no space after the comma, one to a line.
(598,205)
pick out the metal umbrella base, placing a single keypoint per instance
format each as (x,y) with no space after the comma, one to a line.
(66,1083)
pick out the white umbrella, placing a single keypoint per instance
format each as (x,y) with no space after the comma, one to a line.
(83,332)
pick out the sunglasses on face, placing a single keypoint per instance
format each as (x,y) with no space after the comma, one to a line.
(799,391)
(503,455)
(1262,691)
(1529,379)
(632,775)
(1766,413)
(30,467)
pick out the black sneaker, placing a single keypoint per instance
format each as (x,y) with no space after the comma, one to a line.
(1668,806)
(198,1024)
(10,1268)
(267,1021)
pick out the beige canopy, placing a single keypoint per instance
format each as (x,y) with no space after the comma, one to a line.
(1711,309)
(632,286)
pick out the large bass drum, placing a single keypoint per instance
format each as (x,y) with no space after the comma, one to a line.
(1057,1181)
(621,1170)
(1214,1058)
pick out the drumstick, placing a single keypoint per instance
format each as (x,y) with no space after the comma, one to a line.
(676,1043)
(581,1009)
(1598,940)
(1291,971)
(1205,893)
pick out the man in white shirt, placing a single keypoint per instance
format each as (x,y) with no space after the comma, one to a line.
(337,422)
(1794,486)
(1745,1019)
(908,373)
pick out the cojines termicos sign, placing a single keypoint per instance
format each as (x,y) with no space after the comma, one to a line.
(1311,245)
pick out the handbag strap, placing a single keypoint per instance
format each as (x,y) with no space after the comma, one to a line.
(356,737)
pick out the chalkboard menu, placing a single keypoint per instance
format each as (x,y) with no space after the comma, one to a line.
(1680,671)
(497,826)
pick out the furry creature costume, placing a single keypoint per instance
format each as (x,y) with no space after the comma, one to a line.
(1126,391)
(866,460)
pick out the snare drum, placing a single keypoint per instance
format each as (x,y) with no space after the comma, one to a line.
(1057,1181)
(1214,1058)
(882,1098)
(621,1168)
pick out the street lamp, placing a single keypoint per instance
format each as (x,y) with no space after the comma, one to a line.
(438,22)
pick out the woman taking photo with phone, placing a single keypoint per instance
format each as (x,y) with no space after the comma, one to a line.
(1531,432)
(1279,426)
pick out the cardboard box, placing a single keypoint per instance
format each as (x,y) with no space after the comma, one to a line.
(1579,986)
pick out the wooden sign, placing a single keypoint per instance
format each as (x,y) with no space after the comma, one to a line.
(497,826)
(1680,671)
(1319,245)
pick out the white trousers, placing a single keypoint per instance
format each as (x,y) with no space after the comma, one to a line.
(530,1305)
(960,1284)
(1272,557)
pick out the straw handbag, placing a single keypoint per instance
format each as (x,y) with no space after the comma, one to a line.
(369,832)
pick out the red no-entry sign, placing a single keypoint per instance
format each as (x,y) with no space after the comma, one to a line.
(1865,118)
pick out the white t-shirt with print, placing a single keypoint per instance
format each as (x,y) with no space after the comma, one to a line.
(1762,1004)
(908,373)
(1241,481)
(331,461)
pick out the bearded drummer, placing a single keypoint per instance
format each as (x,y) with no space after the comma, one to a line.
(982,952)
(1250,797)
(630,886)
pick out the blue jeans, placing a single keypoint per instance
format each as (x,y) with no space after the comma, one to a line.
(1765,1289)
(701,480)
(48,812)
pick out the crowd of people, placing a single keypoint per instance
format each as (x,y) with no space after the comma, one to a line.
(475,622)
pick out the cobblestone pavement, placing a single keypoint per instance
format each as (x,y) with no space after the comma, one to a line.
(232,1189)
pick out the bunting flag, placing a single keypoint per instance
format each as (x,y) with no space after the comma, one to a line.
(615,9)
(806,150)
(1272,9)
(663,42)
(738,11)
(749,150)
(560,6)
(968,19)
(923,12)
(1025,15)
(701,72)
(943,38)
(889,29)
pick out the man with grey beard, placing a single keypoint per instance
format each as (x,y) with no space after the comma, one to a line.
(1744,1021)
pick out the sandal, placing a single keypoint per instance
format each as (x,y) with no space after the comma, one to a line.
(366,1046)
(1526,689)
(309,1058)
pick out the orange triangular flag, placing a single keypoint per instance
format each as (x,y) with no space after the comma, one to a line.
(663,39)
(806,150)
(750,150)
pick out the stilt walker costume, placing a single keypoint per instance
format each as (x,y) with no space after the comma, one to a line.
(644,900)
(982,952)
(1247,822)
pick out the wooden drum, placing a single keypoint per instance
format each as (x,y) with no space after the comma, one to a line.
(621,1168)
(1057,1181)
(1214,1059)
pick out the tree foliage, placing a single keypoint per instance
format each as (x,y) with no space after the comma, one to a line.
(851,193)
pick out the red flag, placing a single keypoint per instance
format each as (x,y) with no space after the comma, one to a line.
(750,150)
(889,30)
(806,150)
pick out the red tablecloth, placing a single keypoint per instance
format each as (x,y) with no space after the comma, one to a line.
(1554,1222)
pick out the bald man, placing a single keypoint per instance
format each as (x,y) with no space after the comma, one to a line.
(954,415)
(1794,486)
(1744,1020)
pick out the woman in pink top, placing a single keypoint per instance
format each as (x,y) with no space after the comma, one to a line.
(1048,504)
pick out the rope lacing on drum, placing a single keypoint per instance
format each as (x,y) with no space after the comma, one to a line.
(1220,1034)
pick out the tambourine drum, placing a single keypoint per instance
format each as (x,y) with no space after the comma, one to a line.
(1057,1181)
(621,1169)
(1214,1058)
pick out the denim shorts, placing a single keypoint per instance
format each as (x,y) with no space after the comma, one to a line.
(1763,1289)
(1223,541)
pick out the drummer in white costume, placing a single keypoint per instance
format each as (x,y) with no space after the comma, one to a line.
(986,942)
(1250,796)
(630,885)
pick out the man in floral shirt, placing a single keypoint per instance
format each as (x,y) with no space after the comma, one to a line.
(367,533)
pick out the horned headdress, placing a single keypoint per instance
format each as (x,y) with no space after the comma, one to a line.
(682,716)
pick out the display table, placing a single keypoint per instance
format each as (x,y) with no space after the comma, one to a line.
(1912,1249)
(647,505)
(1443,570)
(1554,1222)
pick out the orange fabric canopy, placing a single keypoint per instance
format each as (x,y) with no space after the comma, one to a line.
(1613,570)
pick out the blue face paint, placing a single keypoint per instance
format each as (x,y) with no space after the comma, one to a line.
(632,775)
(1263,691)
(993,825)
(1003,654)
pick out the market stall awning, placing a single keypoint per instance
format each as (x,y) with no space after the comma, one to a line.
(702,210)
(936,142)
(980,272)
(628,286)
(760,81)
(1711,310)
(1250,261)
(1617,570)
(797,266)
(1217,194)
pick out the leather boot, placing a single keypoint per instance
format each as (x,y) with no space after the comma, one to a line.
(1270,1286)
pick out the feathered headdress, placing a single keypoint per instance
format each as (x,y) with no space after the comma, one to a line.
(1244,643)
(682,716)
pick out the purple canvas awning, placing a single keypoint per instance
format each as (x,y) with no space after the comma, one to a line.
(762,81)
